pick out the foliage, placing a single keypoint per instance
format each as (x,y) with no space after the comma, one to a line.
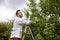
(5,29)
(45,17)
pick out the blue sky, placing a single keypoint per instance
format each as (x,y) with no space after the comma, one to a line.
(8,8)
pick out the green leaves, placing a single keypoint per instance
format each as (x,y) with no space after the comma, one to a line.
(5,29)
(47,19)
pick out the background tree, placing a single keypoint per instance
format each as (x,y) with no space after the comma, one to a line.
(46,15)
(5,30)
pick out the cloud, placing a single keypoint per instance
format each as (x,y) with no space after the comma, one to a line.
(6,13)
(14,4)
(9,7)
(1,1)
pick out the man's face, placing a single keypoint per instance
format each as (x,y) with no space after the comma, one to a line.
(20,14)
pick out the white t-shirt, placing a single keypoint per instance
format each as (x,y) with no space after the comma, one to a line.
(17,27)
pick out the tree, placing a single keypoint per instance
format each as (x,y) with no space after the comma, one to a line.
(45,14)
(5,30)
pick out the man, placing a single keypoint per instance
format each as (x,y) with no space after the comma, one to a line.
(16,33)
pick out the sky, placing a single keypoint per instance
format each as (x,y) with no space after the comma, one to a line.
(9,7)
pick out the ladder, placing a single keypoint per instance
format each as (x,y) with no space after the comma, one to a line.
(25,29)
